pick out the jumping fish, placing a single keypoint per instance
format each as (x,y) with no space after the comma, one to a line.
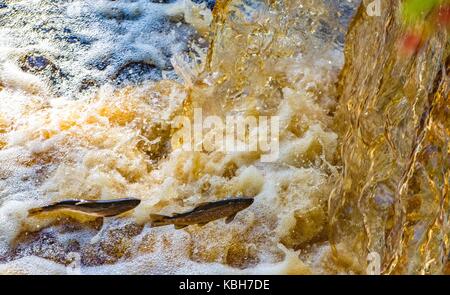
(204,213)
(101,208)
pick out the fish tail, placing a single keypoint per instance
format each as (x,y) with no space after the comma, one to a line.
(158,220)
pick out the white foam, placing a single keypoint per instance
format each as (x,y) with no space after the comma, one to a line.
(92,39)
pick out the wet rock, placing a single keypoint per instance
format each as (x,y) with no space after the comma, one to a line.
(72,39)
(77,39)
(101,65)
(136,73)
(44,244)
(35,62)
(93,256)
(55,242)
(102,62)
(45,27)
(38,64)
(73,246)
(209,3)
(121,14)
(88,84)
(90,40)
(116,244)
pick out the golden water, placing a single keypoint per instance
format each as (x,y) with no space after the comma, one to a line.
(393,118)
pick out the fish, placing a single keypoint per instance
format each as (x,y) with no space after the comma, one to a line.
(101,208)
(203,213)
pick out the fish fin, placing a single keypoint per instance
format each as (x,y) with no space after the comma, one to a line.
(202,224)
(177,226)
(157,220)
(201,206)
(230,218)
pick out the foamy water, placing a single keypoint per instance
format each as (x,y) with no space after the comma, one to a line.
(72,46)
(84,114)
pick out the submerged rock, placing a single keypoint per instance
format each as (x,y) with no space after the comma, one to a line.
(37,62)
(136,73)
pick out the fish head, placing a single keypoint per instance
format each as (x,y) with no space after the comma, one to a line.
(121,206)
(131,203)
(242,203)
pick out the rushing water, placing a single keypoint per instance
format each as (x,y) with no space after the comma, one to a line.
(362,172)
(392,196)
